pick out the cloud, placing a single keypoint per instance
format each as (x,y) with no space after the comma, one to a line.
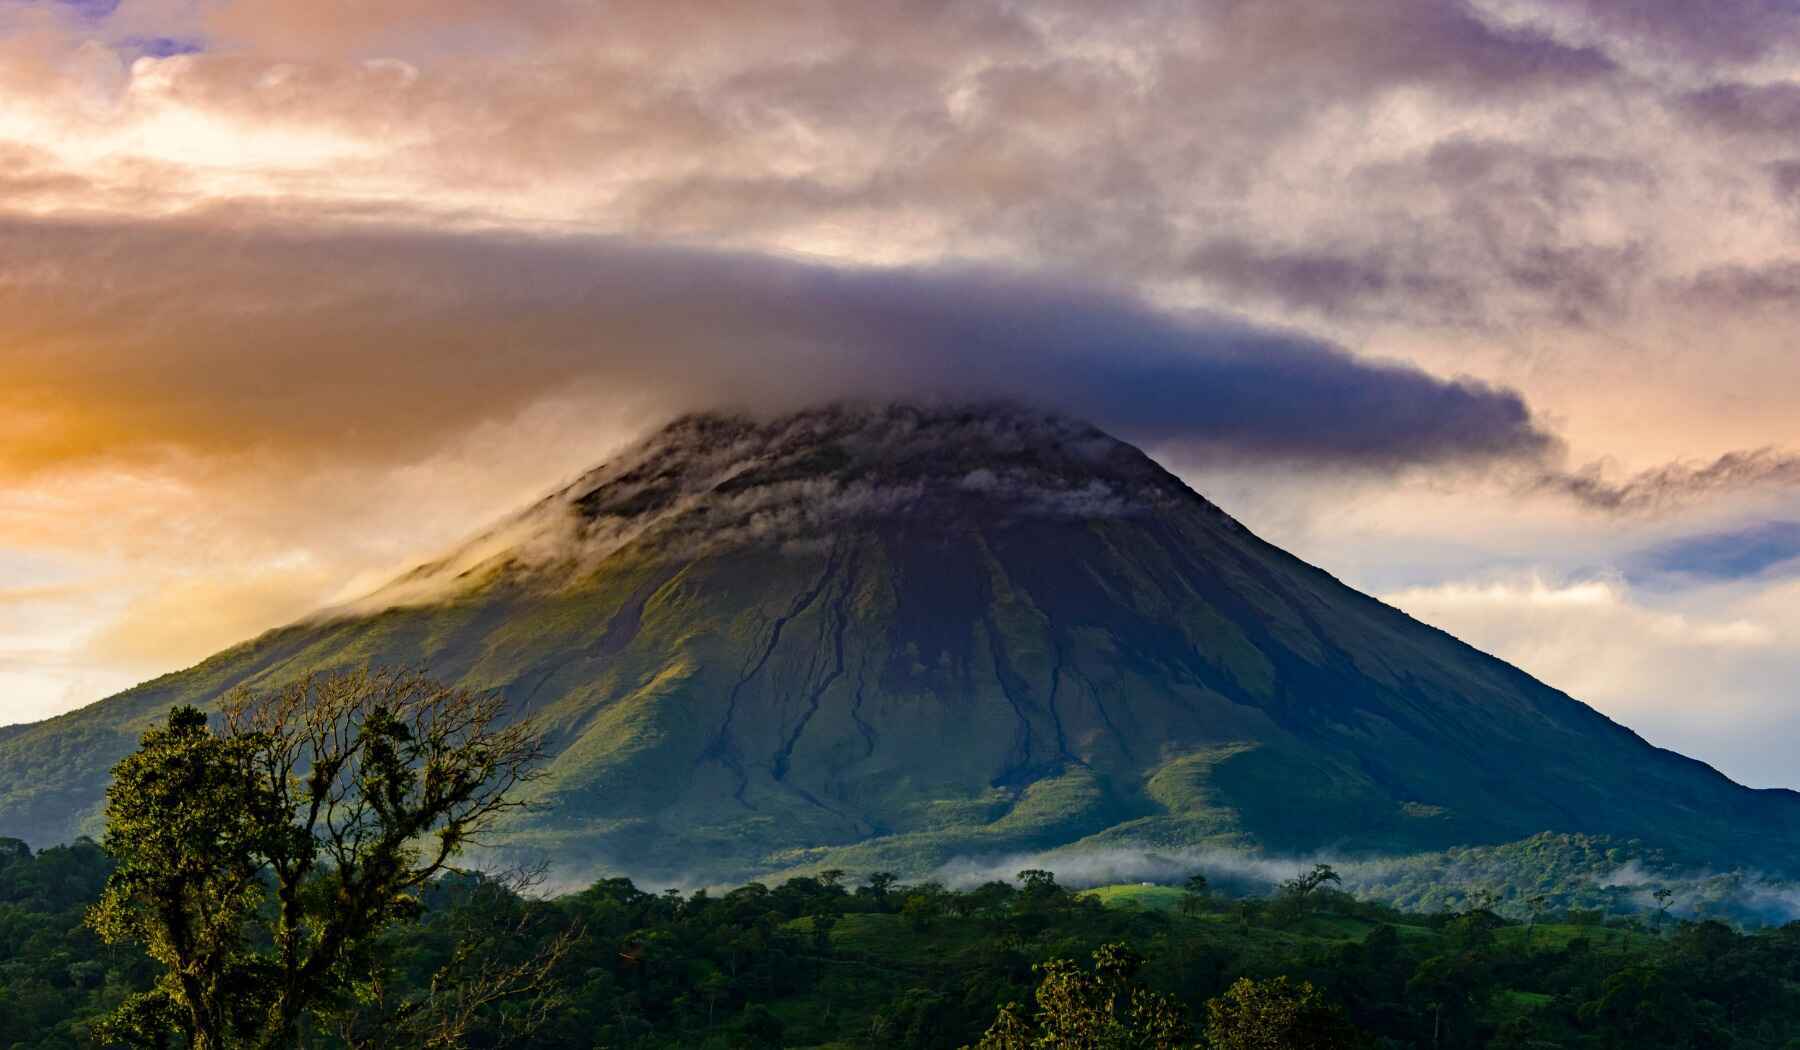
(1603,598)
(186,620)
(1673,484)
(1322,279)
(1706,672)
(1755,108)
(1081,868)
(910,131)
(1769,283)
(1729,554)
(376,346)
(1410,161)
(1716,32)
(41,606)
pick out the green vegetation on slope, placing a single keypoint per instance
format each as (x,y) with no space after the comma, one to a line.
(815,963)
(908,637)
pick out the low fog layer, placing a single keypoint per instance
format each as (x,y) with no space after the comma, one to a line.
(1458,881)
(1694,892)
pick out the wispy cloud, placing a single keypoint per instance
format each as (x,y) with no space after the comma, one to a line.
(1673,484)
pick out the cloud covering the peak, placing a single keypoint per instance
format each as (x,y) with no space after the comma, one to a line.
(380,344)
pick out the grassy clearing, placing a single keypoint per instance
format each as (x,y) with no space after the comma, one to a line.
(1138,895)
(1548,936)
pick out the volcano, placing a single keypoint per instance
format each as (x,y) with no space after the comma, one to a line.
(890,637)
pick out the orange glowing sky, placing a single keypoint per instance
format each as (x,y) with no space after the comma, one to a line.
(294,293)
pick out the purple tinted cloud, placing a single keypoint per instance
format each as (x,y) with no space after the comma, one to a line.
(1772,108)
(190,333)
(1700,30)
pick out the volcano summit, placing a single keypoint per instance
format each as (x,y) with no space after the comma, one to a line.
(889,637)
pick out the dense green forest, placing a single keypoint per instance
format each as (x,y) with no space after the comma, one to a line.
(832,961)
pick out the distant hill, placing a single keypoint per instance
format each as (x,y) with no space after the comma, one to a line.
(892,637)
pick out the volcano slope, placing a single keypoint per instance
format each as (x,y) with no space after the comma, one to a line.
(891,637)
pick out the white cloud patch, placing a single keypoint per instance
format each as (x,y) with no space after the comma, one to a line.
(1708,672)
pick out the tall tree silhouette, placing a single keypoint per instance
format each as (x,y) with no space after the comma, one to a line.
(259,859)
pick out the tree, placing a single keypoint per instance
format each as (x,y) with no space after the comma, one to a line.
(1296,893)
(259,862)
(1450,985)
(1642,1005)
(878,886)
(1663,896)
(920,911)
(1193,894)
(1536,903)
(1473,932)
(919,1017)
(499,956)
(1276,1015)
(188,820)
(1102,1009)
(1010,1031)
(758,1027)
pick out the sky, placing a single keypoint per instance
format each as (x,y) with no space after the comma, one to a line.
(1486,306)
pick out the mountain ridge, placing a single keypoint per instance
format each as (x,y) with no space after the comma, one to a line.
(886,636)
